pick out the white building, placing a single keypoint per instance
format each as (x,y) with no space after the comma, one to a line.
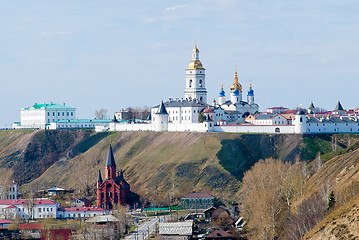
(42,115)
(81,212)
(10,191)
(28,209)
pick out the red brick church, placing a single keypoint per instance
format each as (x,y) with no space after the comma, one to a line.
(114,189)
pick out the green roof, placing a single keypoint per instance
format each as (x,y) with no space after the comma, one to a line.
(49,106)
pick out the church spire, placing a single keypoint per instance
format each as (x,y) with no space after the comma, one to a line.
(99,178)
(110,159)
(110,165)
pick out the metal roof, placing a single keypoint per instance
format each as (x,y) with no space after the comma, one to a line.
(50,106)
(176,228)
(197,195)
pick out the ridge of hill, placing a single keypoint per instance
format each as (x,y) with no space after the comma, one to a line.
(155,164)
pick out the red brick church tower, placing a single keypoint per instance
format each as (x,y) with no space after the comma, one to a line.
(114,189)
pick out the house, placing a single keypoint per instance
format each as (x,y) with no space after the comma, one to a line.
(176,230)
(197,201)
(221,235)
(55,191)
(217,214)
(4,224)
(28,208)
(80,202)
(81,212)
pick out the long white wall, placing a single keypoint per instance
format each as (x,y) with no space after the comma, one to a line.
(254,129)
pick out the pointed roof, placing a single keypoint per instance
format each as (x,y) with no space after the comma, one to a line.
(311,106)
(114,118)
(339,107)
(110,159)
(99,179)
(162,109)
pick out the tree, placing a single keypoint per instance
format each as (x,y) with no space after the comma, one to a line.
(201,117)
(270,190)
(101,114)
(331,200)
(264,201)
(5,181)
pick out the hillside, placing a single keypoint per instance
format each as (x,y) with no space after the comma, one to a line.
(155,164)
(339,173)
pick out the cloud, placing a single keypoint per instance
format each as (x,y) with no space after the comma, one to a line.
(176,7)
(150,20)
(47,34)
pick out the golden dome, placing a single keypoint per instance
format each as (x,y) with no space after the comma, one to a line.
(195,64)
(236,84)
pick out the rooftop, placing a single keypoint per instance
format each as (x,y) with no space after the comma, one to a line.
(176,228)
(49,106)
(197,195)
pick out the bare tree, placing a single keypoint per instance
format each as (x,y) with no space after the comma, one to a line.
(5,181)
(101,114)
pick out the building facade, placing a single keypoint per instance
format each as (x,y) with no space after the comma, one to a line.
(39,116)
(114,189)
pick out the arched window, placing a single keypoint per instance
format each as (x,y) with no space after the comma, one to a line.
(190,83)
(301,119)
(201,99)
(200,83)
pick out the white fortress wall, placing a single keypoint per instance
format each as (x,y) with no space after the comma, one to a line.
(189,127)
(254,128)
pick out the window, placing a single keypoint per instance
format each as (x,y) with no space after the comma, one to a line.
(190,83)
(48,114)
(63,114)
(72,113)
(40,211)
(43,209)
(58,113)
(200,83)
(53,113)
(67,113)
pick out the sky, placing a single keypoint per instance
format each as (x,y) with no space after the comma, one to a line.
(114,54)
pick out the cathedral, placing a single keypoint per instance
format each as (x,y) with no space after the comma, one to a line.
(113,189)
(193,106)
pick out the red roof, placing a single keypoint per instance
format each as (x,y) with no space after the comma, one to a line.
(208,110)
(78,209)
(197,195)
(277,108)
(5,221)
(38,201)
(31,226)
(11,206)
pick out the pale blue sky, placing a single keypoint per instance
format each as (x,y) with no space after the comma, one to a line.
(114,54)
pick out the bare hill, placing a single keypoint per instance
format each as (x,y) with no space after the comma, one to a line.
(155,164)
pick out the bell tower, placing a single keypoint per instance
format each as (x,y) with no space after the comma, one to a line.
(196,79)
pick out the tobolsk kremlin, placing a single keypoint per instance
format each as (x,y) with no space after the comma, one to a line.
(234,111)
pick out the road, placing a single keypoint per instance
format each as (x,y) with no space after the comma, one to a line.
(145,228)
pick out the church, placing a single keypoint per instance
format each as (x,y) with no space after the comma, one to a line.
(113,189)
(194,105)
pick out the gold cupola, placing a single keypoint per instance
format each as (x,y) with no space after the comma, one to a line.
(195,63)
(236,84)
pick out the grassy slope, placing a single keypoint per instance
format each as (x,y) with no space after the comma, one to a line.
(339,224)
(340,173)
(155,164)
